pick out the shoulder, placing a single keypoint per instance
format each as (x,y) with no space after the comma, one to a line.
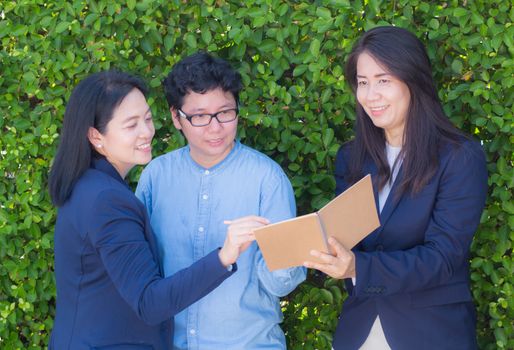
(463,150)
(101,187)
(344,151)
(162,164)
(159,163)
(462,161)
(91,183)
(343,157)
(94,193)
(112,202)
(258,162)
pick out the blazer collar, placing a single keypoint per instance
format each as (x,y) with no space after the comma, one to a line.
(104,166)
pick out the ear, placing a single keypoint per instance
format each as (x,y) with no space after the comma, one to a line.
(95,138)
(175,118)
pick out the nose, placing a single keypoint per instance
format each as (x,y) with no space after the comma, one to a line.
(147,130)
(372,93)
(214,125)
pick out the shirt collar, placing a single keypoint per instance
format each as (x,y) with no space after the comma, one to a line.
(220,165)
(104,166)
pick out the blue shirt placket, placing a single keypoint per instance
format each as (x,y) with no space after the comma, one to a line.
(199,244)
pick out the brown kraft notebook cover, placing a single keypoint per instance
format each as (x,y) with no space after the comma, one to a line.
(349,217)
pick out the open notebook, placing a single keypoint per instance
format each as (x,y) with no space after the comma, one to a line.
(349,217)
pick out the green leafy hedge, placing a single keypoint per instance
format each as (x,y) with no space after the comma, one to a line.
(296,107)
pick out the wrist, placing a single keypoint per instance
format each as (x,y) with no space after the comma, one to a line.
(224,259)
(352,273)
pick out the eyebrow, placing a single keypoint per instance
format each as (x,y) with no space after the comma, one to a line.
(375,76)
(228,105)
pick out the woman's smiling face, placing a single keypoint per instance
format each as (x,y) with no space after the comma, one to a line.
(128,136)
(384,97)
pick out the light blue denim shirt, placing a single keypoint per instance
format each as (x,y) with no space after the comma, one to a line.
(187,205)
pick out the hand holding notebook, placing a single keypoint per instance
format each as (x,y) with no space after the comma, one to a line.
(349,218)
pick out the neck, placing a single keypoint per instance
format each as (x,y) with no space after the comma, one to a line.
(208,162)
(394,139)
(122,172)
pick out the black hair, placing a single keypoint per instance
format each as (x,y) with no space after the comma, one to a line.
(200,72)
(91,104)
(404,56)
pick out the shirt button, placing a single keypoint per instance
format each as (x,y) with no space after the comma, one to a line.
(205,196)
(207,172)
(192,332)
(200,228)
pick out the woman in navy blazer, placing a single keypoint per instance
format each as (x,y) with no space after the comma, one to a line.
(110,289)
(408,282)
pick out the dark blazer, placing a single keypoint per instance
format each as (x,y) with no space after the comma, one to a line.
(413,271)
(110,290)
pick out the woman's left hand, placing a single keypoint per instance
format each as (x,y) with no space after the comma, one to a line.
(341,265)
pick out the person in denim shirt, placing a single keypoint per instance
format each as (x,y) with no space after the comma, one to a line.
(196,193)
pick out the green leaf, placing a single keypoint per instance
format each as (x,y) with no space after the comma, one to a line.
(314,47)
(206,34)
(299,70)
(457,66)
(61,27)
(434,23)
(328,136)
(190,40)
(459,12)
(323,12)
(326,296)
(131,4)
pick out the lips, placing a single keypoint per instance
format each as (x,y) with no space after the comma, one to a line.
(144,147)
(215,142)
(377,111)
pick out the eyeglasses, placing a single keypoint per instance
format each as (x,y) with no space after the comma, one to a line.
(224,116)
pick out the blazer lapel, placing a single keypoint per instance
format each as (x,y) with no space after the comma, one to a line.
(391,201)
(390,204)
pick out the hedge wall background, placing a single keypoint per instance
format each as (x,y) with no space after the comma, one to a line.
(296,107)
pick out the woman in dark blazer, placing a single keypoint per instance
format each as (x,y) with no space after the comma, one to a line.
(110,289)
(408,282)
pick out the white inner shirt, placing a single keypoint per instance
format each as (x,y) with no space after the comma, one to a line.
(376,337)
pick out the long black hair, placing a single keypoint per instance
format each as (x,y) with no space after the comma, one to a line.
(200,72)
(426,127)
(91,104)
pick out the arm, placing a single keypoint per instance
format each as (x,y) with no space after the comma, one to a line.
(277,203)
(118,236)
(461,192)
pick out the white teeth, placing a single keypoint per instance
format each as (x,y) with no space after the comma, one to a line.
(143,146)
(378,108)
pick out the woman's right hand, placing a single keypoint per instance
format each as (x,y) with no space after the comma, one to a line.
(239,237)
(340,264)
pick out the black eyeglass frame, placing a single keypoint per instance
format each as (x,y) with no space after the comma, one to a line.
(189,117)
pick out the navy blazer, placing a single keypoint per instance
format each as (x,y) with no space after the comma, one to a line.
(413,271)
(110,290)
